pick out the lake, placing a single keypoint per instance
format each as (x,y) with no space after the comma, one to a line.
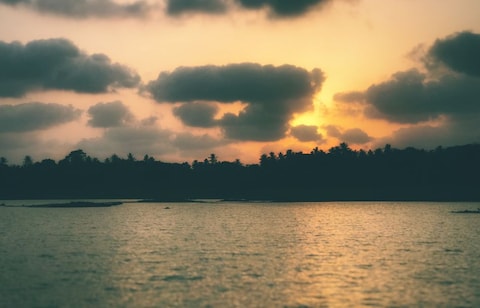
(240,254)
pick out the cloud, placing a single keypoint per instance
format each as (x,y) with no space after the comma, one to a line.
(178,7)
(410,97)
(355,136)
(448,133)
(448,92)
(333,131)
(197,114)
(35,116)
(58,64)
(276,8)
(350,136)
(249,82)
(271,94)
(349,97)
(256,123)
(142,137)
(84,8)
(459,52)
(149,121)
(281,8)
(109,114)
(15,146)
(306,133)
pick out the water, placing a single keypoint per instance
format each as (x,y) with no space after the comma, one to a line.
(241,255)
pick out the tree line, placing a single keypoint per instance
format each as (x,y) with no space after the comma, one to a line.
(340,173)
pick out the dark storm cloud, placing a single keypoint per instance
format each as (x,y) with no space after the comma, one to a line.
(410,97)
(459,52)
(272,94)
(197,114)
(109,114)
(282,8)
(58,64)
(84,8)
(34,116)
(306,133)
(177,7)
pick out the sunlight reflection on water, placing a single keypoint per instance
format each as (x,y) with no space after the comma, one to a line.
(241,254)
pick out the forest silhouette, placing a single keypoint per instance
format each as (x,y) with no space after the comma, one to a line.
(341,173)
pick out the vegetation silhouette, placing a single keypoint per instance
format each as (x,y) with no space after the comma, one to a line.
(341,173)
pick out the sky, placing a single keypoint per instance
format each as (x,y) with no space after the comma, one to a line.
(181,79)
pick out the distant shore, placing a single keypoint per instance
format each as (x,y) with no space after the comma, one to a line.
(72,204)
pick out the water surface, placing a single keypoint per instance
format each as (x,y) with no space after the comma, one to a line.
(241,255)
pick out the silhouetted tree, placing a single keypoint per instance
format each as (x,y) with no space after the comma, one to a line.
(212,159)
(75,157)
(3,161)
(27,161)
(340,173)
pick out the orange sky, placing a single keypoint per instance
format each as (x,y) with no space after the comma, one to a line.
(356,44)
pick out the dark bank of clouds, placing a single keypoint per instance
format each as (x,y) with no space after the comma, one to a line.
(449,91)
(271,94)
(57,64)
(178,7)
(111,114)
(276,8)
(142,8)
(84,8)
(35,116)
(282,8)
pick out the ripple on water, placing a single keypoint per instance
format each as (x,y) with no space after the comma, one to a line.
(241,255)
(172,278)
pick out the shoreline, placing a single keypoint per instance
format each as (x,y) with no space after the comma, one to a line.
(71,204)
